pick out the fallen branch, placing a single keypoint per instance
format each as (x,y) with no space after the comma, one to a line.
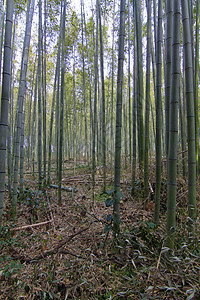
(78,177)
(62,188)
(66,251)
(32,225)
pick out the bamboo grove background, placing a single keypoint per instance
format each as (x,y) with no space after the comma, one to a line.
(115,85)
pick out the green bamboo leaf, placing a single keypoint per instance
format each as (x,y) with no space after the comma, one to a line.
(109,218)
(138,182)
(109,202)
(151,225)
(110,192)
(27,288)
(107,228)
(191,296)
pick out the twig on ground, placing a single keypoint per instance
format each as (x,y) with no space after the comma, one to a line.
(66,251)
(156,273)
(31,225)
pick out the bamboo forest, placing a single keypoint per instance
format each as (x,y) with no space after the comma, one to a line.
(99,149)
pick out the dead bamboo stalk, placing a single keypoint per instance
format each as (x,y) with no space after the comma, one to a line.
(32,225)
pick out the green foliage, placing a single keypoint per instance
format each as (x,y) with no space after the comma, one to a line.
(144,31)
(138,188)
(53,16)
(20,6)
(72,29)
(145,235)
(109,218)
(102,197)
(107,228)
(109,202)
(31,198)
(110,192)
(123,268)
(11,269)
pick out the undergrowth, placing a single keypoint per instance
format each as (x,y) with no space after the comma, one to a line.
(74,257)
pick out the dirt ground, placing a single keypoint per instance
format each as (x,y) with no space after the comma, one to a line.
(72,254)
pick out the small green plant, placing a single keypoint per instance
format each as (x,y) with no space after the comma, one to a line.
(14,267)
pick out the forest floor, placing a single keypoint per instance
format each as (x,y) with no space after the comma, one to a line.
(74,256)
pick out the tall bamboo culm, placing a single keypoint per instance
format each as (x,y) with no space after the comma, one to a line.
(188,65)
(173,127)
(158,111)
(117,195)
(5,100)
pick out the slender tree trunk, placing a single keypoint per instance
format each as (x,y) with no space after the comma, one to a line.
(117,195)
(40,95)
(99,126)
(134,109)
(21,98)
(5,100)
(129,84)
(140,125)
(158,112)
(95,108)
(168,43)
(183,129)
(10,121)
(74,109)
(67,127)
(173,127)
(125,130)
(62,105)
(22,155)
(1,37)
(197,132)
(33,124)
(188,64)
(84,88)
(155,23)
(44,95)
(147,106)
(57,123)
(191,18)
(29,115)
(53,103)
(103,102)
(90,81)
(154,83)
(112,91)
